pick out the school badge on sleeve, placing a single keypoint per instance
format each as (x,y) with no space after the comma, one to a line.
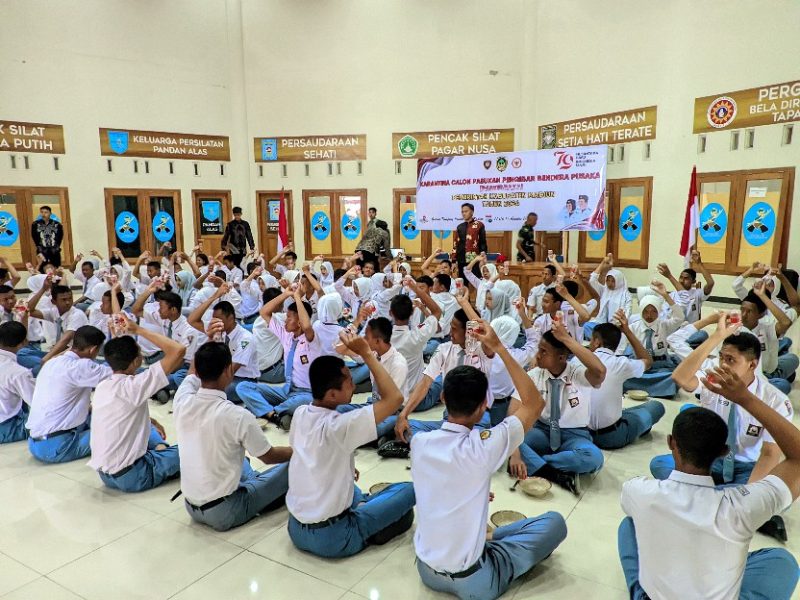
(486,434)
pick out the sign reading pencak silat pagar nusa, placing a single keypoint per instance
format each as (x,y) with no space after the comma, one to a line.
(766,105)
(161,144)
(611,128)
(310,148)
(430,144)
(564,187)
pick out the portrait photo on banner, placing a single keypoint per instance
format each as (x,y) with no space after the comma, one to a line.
(564,187)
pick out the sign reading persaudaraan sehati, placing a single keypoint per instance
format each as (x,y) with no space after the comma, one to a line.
(161,144)
(767,105)
(310,148)
(19,136)
(611,128)
(430,144)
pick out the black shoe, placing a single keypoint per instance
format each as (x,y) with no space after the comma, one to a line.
(570,482)
(775,528)
(273,418)
(394,449)
(285,422)
(162,396)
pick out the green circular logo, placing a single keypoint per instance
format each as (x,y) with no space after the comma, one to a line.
(407,146)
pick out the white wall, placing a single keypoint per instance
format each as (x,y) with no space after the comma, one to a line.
(248,68)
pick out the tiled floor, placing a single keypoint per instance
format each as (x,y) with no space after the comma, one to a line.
(64,536)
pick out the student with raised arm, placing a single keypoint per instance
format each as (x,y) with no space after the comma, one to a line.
(221,488)
(16,384)
(686,293)
(284,260)
(559,447)
(770,329)
(537,292)
(66,317)
(301,346)
(452,470)
(611,426)
(686,538)
(8,274)
(328,514)
(128,447)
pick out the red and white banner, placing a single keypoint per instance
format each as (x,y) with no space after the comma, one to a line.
(691,220)
(283,225)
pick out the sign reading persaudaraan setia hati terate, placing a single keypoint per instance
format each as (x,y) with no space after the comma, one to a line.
(461,142)
(161,144)
(310,148)
(611,128)
(767,105)
(19,136)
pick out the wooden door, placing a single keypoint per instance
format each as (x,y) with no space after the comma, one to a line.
(333,221)
(211,210)
(139,220)
(268,209)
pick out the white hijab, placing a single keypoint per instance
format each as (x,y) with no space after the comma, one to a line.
(613,300)
(656,303)
(329,308)
(507,329)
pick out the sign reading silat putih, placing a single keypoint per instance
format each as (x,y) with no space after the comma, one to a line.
(310,148)
(611,128)
(767,105)
(565,188)
(18,136)
(430,144)
(160,144)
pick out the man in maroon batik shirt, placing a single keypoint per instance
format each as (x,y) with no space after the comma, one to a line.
(470,240)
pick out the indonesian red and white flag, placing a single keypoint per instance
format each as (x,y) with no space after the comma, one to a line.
(691,221)
(283,224)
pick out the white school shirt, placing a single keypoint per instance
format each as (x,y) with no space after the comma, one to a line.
(206,292)
(768,337)
(397,367)
(97,318)
(410,342)
(447,357)
(328,336)
(575,394)
(181,331)
(382,299)
(121,419)
(605,405)
(251,297)
(691,301)
(452,470)
(449,306)
(500,383)
(693,537)
(87,284)
(268,346)
(213,434)
(16,386)
(304,353)
(751,433)
(662,328)
(70,320)
(535,297)
(741,292)
(243,352)
(544,322)
(322,466)
(233,276)
(62,394)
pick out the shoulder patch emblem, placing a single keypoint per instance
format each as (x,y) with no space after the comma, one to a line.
(743,490)
(245,344)
(754,430)
(486,434)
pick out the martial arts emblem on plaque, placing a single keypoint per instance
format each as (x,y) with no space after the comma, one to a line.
(407,146)
(548,137)
(502,163)
(721,112)
(487,164)
(118,141)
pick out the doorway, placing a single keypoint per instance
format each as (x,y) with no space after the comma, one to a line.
(212,211)
(139,220)
(268,210)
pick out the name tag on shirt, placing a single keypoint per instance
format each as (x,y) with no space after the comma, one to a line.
(660,345)
(304,359)
(754,430)
(573,402)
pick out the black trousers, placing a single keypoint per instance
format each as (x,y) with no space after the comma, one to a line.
(237,259)
(476,270)
(52,255)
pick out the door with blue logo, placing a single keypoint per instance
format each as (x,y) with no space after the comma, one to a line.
(144,220)
(268,211)
(212,211)
(334,221)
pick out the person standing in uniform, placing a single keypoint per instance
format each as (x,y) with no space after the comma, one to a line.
(470,239)
(47,235)
(238,236)
(526,244)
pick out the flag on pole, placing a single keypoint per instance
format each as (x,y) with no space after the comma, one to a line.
(283,225)
(691,221)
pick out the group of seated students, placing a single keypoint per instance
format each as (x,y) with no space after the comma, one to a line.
(534,387)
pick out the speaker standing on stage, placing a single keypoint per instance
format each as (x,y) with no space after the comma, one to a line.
(47,236)
(237,237)
(470,238)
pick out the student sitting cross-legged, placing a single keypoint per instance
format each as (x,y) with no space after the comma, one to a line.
(559,447)
(329,516)
(128,448)
(452,470)
(687,538)
(59,419)
(611,426)
(220,487)
(16,384)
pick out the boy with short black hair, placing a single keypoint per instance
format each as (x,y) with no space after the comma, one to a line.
(66,318)
(128,448)
(537,292)
(16,384)
(221,488)
(328,515)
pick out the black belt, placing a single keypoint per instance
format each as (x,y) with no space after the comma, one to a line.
(504,399)
(55,434)
(120,473)
(326,522)
(465,573)
(608,429)
(37,342)
(208,505)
